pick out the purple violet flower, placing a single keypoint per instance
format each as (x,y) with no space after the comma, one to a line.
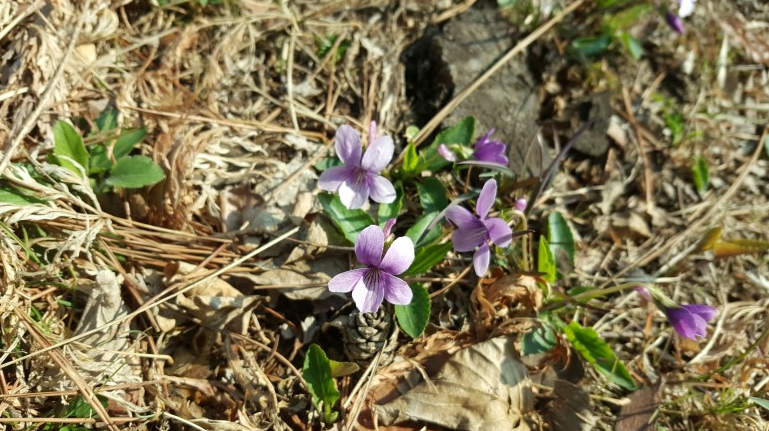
(520,205)
(674,22)
(475,231)
(446,153)
(378,280)
(490,151)
(691,321)
(359,177)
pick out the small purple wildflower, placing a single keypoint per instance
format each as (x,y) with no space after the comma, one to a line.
(520,205)
(490,151)
(378,280)
(674,22)
(691,321)
(359,177)
(446,153)
(475,231)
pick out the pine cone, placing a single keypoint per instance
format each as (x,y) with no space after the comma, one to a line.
(365,334)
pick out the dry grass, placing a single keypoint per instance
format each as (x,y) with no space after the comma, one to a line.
(115,298)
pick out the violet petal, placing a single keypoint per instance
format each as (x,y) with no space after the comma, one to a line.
(688,325)
(499,232)
(398,257)
(396,291)
(446,153)
(369,245)
(354,193)
(481,259)
(378,154)
(381,188)
(331,179)
(704,311)
(346,281)
(486,198)
(462,218)
(348,146)
(491,152)
(368,294)
(468,239)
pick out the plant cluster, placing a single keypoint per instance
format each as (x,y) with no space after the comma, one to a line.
(386,258)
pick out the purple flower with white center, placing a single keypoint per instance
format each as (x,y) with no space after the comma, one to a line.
(490,151)
(476,231)
(378,280)
(359,177)
(691,321)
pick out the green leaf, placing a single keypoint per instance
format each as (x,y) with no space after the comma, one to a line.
(349,222)
(598,353)
(11,195)
(760,402)
(591,45)
(413,317)
(389,211)
(545,260)
(539,340)
(135,172)
(128,139)
(559,236)
(461,133)
(107,120)
(340,369)
(410,159)
(68,144)
(632,45)
(328,163)
(317,373)
(417,231)
(626,18)
(427,257)
(432,195)
(701,174)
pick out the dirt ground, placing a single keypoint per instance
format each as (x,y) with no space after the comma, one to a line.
(192,303)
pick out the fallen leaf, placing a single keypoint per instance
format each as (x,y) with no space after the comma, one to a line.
(483,387)
(637,414)
(570,410)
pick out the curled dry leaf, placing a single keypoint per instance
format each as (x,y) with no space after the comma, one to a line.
(505,305)
(483,387)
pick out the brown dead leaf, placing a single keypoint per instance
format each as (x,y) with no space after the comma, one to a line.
(570,410)
(637,415)
(483,387)
(505,305)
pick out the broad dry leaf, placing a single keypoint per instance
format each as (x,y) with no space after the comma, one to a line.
(481,388)
(570,410)
(637,414)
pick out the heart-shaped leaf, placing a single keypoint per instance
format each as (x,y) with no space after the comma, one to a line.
(350,222)
(135,172)
(597,353)
(413,317)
